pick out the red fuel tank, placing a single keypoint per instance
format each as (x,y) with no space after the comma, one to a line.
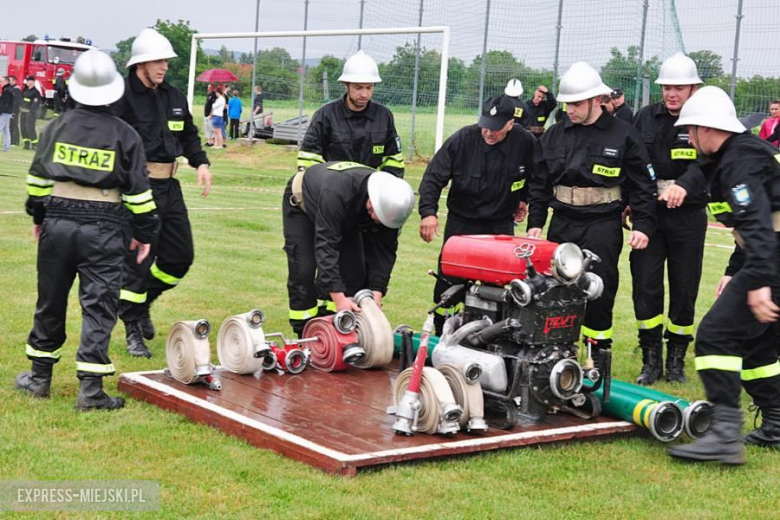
(495,259)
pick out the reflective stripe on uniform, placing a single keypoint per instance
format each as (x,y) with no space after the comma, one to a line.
(680,330)
(449,311)
(392,161)
(305,314)
(130,296)
(163,276)
(764,372)
(38,186)
(140,203)
(651,323)
(597,334)
(41,354)
(95,368)
(518,185)
(726,363)
(307,159)
(716,208)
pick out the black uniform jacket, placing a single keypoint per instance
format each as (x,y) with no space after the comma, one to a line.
(607,153)
(335,195)
(92,147)
(521,112)
(624,113)
(670,152)
(488,182)
(538,114)
(368,137)
(163,120)
(743,180)
(31,99)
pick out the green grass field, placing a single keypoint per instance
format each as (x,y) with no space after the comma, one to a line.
(240,265)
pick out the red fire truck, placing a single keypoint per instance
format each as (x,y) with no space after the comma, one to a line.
(42,59)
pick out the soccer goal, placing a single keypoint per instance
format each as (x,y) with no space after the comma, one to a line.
(383,58)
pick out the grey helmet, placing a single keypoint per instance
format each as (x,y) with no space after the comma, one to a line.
(392,198)
(95,80)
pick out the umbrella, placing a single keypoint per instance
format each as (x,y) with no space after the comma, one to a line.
(216,76)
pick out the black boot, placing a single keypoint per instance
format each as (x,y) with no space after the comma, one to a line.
(675,361)
(723,441)
(768,435)
(36,382)
(92,397)
(135,340)
(27,145)
(652,362)
(147,326)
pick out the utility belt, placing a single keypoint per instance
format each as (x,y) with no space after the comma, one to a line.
(296,199)
(536,129)
(71,190)
(590,196)
(775,225)
(162,170)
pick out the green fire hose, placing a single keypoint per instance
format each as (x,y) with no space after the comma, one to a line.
(696,415)
(432,342)
(664,419)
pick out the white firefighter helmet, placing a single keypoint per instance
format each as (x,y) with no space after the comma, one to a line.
(514,88)
(360,68)
(678,70)
(150,46)
(392,198)
(95,80)
(710,107)
(581,82)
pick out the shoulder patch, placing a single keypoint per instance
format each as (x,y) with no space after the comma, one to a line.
(398,144)
(651,172)
(741,194)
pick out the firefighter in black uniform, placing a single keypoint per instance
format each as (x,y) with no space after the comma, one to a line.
(679,238)
(737,339)
(540,106)
(622,111)
(159,112)
(325,208)
(513,90)
(60,92)
(488,165)
(89,162)
(31,103)
(17,108)
(593,164)
(354,128)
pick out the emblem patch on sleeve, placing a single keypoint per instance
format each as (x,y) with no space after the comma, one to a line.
(651,171)
(741,194)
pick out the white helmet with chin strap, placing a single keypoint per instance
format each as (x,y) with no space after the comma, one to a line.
(392,198)
(514,88)
(150,46)
(360,68)
(678,70)
(710,107)
(581,82)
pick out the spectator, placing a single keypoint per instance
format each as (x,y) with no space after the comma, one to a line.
(217,118)
(257,103)
(6,111)
(770,126)
(621,109)
(208,128)
(234,112)
(17,92)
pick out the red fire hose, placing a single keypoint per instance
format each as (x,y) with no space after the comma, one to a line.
(336,346)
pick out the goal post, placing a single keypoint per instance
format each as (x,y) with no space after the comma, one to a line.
(443,30)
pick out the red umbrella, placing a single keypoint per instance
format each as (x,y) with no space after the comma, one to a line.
(216,76)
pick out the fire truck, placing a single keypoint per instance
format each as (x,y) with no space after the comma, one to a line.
(41,59)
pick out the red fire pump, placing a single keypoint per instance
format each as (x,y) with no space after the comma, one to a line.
(524,302)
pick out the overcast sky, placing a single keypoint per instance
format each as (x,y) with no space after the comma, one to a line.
(526,28)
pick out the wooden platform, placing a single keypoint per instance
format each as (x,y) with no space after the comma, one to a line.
(336,422)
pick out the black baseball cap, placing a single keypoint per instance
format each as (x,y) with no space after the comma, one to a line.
(30,78)
(496,113)
(616,93)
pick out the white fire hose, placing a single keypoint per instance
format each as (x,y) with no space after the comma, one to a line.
(468,396)
(188,354)
(375,334)
(439,412)
(241,343)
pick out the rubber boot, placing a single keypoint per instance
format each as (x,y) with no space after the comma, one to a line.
(675,362)
(147,326)
(652,362)
(27,145)
(768,434)
(36,382)
(135,340)
(92,397)
(723,441)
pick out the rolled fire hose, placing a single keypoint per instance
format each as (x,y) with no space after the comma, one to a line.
(188,353)
(696,415)
(374,332)
(241,344)
(337,342)
(468,396)
(436,401)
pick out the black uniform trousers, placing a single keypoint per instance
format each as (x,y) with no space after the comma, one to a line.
(28,128)
(307,299)
(729,331)
(95,251)
(679,243)
(14,122)
(455,227)
(170,258)
(603,235)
